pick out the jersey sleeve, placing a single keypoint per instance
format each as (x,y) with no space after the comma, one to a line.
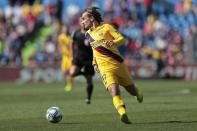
(118,38)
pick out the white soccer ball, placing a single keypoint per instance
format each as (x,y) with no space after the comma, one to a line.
(54,114)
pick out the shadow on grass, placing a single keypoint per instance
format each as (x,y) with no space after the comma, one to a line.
(70,123)
(165,122)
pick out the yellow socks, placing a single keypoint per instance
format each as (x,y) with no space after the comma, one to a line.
(69,83)
(119,105)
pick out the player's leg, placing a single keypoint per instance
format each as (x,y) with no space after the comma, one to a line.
(126,81)
(110,81)
(118,102)
(65,66)
(89,72)
(132,89)
(89,88)
(75,69)
(69,82)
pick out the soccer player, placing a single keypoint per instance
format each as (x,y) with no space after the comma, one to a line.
(107,60)
(64,45)
(82,59)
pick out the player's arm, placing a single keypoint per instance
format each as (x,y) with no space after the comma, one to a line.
(118,38)
(95,65)
(72,48)
(73,42)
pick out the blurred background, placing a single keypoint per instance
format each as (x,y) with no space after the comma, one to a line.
(161,36)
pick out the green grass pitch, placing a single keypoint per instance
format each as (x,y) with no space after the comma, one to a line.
(168,106)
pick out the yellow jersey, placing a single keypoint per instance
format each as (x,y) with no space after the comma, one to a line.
(64,44)
(107,58)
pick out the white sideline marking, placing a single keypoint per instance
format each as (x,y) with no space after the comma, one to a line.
(180,92)
(184,91)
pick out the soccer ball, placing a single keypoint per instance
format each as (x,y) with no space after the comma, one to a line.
(54,114)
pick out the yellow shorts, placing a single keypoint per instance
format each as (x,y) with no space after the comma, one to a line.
(119,76)
(66,63)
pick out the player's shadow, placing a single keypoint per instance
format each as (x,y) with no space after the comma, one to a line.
(165,122)
(70,123)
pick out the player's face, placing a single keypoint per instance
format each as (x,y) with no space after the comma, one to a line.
(83,30)
(80,23)
(86,21)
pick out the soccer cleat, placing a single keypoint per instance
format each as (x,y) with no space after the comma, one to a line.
(139,97)
(124,118)
(68,88)
(87,101)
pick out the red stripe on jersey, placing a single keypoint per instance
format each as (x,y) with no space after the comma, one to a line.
(109,53)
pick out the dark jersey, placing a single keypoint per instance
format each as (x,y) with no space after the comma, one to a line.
(81,48)
(82,53)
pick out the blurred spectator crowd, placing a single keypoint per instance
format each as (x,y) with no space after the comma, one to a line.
(157,31)
(17,23)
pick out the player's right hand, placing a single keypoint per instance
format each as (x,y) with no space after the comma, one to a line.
(96,68)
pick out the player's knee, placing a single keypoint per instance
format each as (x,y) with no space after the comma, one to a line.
(114,89)
(72,73)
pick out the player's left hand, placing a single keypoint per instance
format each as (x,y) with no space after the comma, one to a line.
(96,68)
(109,43)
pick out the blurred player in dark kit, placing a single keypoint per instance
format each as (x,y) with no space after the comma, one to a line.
(82,60)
